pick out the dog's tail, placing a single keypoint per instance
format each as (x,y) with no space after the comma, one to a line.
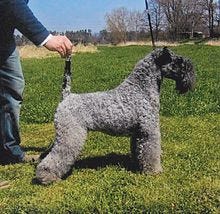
(66,87)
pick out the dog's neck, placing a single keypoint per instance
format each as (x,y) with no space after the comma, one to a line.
(145,75)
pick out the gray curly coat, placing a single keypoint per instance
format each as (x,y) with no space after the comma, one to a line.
(131,109)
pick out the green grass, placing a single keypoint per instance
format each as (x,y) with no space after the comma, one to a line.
(102,181)
(107,68)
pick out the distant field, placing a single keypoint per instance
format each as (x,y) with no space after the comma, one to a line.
(102,180)
(31,51)
(105,69)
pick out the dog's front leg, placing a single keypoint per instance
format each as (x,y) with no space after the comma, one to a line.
(146,150)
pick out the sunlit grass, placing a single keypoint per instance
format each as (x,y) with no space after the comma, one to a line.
(190,182)
(102,180)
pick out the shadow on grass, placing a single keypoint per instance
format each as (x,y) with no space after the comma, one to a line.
(97,162)
(34,149)
(111,159)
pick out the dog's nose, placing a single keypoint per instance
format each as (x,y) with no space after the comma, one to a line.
(179,60)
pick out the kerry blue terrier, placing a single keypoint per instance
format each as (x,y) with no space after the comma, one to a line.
(131,109)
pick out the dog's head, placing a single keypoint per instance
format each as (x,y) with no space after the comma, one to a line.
(177,68)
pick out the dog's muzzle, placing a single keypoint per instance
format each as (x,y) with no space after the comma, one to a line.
(186,79)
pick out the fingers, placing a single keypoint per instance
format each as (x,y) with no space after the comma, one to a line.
(61,44)
(62,50)
(66,47)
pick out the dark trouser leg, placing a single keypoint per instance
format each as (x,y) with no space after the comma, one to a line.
(11,89)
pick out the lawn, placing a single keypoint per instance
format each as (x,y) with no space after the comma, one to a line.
(102,180)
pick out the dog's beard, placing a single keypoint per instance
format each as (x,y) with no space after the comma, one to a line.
(182,88)
(185,84)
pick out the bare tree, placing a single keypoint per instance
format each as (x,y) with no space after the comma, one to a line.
(117,24)
(210,12)
(135,22)
(218,13)
(217,19)
(185,16)
(192,12)
(174,16)
(157,17)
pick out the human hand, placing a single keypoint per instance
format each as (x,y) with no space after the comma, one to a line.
(61,44)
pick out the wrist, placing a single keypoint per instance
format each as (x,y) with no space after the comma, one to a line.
(46,40)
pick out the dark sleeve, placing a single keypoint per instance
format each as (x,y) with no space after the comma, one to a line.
(27,23)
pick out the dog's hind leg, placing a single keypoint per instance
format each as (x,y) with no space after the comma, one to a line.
(70,138)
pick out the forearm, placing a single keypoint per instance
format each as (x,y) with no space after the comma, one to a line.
(22,18)
(27,23)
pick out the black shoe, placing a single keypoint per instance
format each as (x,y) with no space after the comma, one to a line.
(7,158)
(26,159)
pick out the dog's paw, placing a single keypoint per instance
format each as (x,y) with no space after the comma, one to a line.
(155,171)
(45,176)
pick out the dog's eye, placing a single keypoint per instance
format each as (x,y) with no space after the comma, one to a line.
(179,60)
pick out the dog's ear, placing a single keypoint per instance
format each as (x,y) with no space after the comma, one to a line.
(163,57)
